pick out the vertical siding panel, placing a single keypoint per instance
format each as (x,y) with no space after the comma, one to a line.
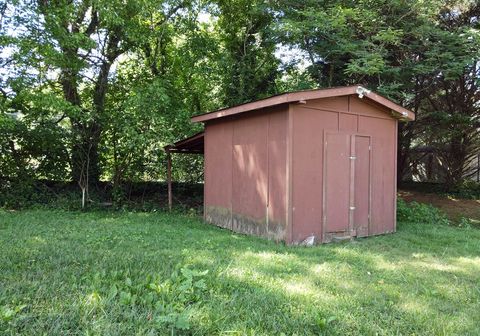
(250,167)
(218,172)
(289,167)
(307,164)
(277,175)
(383,172)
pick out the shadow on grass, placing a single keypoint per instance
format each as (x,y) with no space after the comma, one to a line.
(423,280)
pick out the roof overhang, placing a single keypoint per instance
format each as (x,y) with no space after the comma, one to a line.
(398,111)
(190,145)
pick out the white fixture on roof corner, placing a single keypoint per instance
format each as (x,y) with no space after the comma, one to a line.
(361,91)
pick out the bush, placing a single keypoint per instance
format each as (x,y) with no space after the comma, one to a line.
(27,194)
(420,213)
(468,189)
(132,196)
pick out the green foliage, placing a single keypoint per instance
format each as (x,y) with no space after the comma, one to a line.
(18,194)
(127,273)
(245,30)
(8,313)
(176,295)
(31,145)
(468,189)
(131,196)
(420,213)
(97,88)
(363,42)
(168,302)
(467,222)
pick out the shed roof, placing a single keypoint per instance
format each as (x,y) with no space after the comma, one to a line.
(292,97)
(190,145)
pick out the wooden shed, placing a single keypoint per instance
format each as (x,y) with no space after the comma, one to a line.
(310,165)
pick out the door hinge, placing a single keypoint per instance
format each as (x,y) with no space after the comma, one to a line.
(353,157)
(352,208)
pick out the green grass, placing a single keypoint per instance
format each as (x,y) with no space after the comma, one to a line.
(134,273)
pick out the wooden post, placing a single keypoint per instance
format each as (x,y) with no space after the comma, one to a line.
(169,178)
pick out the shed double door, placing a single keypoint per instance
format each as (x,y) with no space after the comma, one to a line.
(346,187)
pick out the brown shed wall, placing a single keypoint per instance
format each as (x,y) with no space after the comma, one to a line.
(245,173)
(351,125)
(218,153)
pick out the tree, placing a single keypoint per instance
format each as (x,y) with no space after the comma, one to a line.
(245,29)
(453,109)
(79,42)
(417,53)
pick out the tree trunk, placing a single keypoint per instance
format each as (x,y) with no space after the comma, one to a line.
(85,135)
(403,151)
(85,149)
(88,134)
(457,158)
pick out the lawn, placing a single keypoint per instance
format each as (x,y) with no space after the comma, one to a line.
(105,273)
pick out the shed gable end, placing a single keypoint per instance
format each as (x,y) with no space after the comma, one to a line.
(350,105)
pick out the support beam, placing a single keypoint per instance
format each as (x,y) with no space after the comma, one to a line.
(191,145)
(169,178)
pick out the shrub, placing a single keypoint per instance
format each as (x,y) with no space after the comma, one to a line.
(468,189)
(420,213)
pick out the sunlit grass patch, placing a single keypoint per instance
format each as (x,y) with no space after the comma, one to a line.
(137,273)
